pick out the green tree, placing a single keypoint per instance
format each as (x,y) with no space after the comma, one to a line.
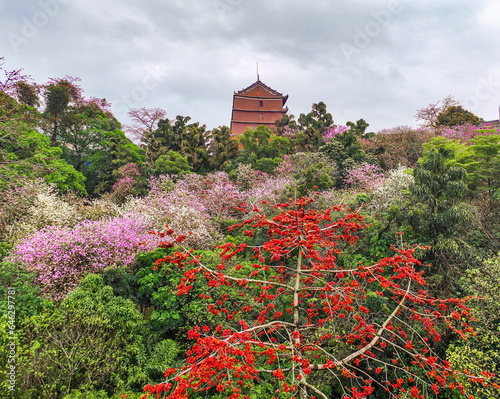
(194,146)
(312,128)
(457,115)
(222,147)
(104,161)
(172,163)
(481,351)
(89,341)
(345,151)
(441,218)
(311,171)
(83,128)
(27,93)
(26,153)
(262,149)
(440,184)
(59,94)
(359,128)
(287,126)
(187,139)
(482,161)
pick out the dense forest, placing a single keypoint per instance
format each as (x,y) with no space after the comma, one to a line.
(318,259)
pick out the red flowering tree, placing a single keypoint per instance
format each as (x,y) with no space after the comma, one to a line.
(297,318)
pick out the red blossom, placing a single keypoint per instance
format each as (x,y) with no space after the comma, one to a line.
(309,314)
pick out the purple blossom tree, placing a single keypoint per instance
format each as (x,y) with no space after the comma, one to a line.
(364,177)
(464,133)
(62,256)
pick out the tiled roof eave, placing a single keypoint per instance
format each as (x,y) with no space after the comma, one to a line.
(258,82)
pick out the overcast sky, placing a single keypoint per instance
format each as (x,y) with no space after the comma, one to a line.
(379,60)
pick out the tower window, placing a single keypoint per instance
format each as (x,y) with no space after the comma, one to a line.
(261,103)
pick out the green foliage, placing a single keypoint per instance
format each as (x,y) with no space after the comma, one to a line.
(114,151)
(158,356)
(345,151)
(169,315)
(262,149)
(311,171)
(85,394)
(189,140)
(222,147)
(28,302)
(172,163)
(27,93)
(457,115)
(194,147)
(441,218)
(90,341)
(312,127)
(24,152)
(481,351)
(440,184)
(481,159)
(359,128)
(59,94)
(82,131)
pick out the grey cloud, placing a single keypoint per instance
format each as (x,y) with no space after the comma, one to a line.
(361,58)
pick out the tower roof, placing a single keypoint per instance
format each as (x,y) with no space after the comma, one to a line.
(257,84)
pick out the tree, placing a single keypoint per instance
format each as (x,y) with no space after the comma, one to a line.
(398,146)
(429,114)
(27,154)
(144,123)
(89,341)
(455,116)
(482,160)
(189,140)
(102,164)
(301,324)
(27,93)
(345,150)
(194,146)
(262,149)
(311,171)
(11,79)
(172,163)
(222,147)
(481,351)
(365,177)
(287,127)
(312,128)
(359,128)
(61,256)
(59,94)
(440,184)
(83,130)
(440,217)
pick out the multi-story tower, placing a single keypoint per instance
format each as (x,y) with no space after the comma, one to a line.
(256,105)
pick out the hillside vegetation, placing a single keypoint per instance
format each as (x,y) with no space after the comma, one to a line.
(316,260)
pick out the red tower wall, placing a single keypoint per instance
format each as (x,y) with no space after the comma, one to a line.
(256,105)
